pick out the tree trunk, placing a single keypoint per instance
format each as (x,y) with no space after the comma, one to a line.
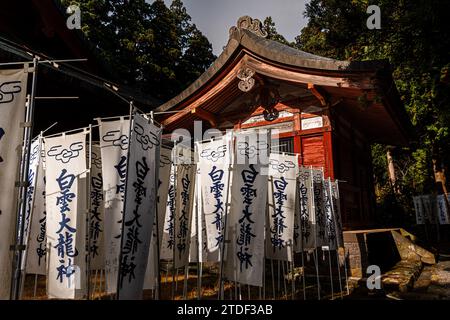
(391,171)
(439,176)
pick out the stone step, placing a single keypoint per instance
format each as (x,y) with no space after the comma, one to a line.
(402,276)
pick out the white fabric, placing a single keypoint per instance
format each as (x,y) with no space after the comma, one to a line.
(168,236)
(214,161)
(330,222)
(31,192)
(65,191)
(283,171)
(114,149)
(319,208)
(13,90)
(140,206)
(245,255)
(418,207)
(97,212)
(165,163)
(442,206)
(36,250)
(306,218)
(185,187)
(337,213)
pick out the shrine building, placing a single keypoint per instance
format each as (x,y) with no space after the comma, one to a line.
(327,111)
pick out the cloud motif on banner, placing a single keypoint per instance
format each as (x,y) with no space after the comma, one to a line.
(116,139)
(304,175)
(65,155)
(252,151)
(281,167)
(96,160)
(146,141)
(214,155)
(8,89)
(34,153)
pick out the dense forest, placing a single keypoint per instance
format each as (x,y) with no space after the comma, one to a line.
(158,49)
(146,45)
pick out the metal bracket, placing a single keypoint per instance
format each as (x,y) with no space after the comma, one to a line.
(27,124)
(17,247)
(19,184)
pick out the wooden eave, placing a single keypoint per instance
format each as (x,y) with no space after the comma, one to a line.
(216,89)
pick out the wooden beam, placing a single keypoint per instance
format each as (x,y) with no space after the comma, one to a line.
(205,115)
(318,94)
(208,95)
(358,81)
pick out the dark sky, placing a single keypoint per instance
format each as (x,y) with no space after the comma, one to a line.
(215,17)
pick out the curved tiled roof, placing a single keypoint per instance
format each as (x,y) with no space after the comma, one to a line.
(244,39)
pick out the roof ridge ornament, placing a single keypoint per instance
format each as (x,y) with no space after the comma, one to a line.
(248,23)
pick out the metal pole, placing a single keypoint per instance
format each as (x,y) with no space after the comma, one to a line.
(175,174)
(315,254)
(17,260)
(303,274)
(185,283)
(35,286)
(331,274)
(88,217)
(158,265)
(273,278)
(333,211)
(222,249)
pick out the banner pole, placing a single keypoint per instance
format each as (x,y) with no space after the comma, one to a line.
(345,255)
(315,253)
(329,240)
(17,260)
(273,279)
(158,264)
(175,174)
(333,212)
(88,217)
(227,206)
(35,285)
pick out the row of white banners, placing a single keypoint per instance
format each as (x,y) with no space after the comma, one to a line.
(270,210)
(431,209)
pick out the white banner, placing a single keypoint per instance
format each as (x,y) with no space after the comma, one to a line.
(35,155)
(13,90)
(319,208)
(185,184)
(245,255)
(283,171)
(337,213)
(97,210)
(429,209)
(65,191)
(165,163)
(114,149)
(199,243)
(168,235)
(330,221)
(36,250)
(306,218)
(442,207)
(418,207)
(214,161)
(140,206)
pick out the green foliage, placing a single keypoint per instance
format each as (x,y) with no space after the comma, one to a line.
(415,37)
(149,46)
(272,33)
